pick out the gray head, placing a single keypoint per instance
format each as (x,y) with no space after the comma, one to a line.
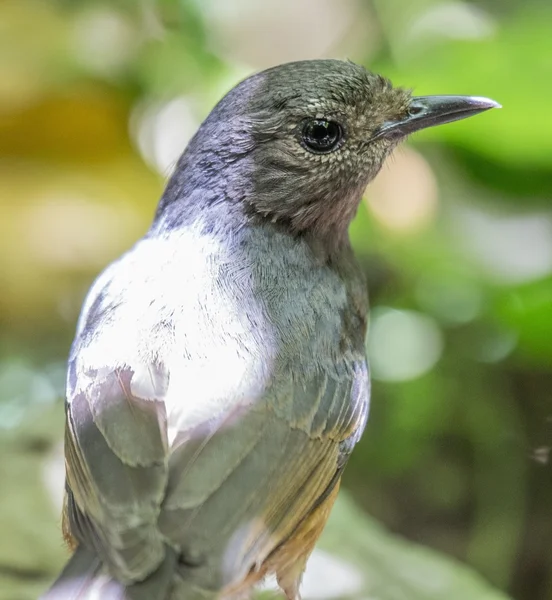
(297,144)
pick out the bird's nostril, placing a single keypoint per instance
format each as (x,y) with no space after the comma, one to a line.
(414,110)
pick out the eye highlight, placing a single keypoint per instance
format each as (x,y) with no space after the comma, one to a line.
(321,136)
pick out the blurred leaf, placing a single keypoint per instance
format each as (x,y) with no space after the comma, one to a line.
(174,65)
(31,548)
(33,52)
(179,58)
(527,311)
(514,67)
(87,124)
(393,568)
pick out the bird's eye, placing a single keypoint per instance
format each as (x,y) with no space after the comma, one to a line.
(321,136)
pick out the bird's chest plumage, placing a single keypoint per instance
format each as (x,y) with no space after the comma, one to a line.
(249,317)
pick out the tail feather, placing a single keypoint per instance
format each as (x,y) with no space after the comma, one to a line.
(77,577)
(83,578)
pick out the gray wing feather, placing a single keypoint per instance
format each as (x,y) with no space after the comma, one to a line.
(117,473)
(241,490)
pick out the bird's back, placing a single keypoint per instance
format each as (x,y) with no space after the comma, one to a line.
(255,348)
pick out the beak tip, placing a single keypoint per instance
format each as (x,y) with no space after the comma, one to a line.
(485,103)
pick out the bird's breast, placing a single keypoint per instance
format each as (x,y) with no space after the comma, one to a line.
(245,317)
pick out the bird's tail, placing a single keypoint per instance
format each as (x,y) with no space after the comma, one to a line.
(83,578)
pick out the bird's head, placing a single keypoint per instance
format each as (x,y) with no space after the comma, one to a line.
(298,143)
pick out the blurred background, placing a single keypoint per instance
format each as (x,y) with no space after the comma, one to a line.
(97,100)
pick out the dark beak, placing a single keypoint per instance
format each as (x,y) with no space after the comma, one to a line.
(428,111)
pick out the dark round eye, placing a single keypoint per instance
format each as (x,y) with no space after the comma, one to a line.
(321,136)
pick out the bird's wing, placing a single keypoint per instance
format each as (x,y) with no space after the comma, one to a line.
(236,495)
(116,469)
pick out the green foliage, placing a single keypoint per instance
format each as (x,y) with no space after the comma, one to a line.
(394,569)
(512,65)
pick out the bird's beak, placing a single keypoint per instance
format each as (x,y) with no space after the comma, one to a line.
(428,111)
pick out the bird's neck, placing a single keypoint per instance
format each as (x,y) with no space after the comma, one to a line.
(218,192)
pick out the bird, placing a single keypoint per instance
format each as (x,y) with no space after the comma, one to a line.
(218,379)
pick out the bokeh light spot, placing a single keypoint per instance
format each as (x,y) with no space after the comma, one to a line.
(403,197)
(513,248)
(451,300)
(161,131)
(402,344)
(454,20)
